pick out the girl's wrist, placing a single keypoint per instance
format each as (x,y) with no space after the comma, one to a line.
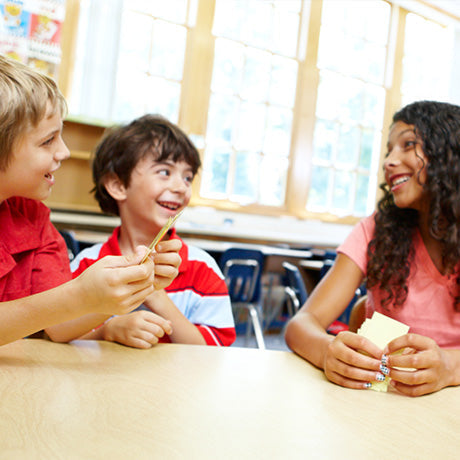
(453,367)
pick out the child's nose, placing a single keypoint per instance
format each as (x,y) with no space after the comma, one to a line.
(391,160)
(178,183)
(62,152)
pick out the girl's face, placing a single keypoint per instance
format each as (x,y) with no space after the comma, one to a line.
(405,167)
(35,158)
(156,192)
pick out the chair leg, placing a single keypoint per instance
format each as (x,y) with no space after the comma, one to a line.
(257,327)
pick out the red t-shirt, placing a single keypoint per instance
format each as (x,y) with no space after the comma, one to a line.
(33,255)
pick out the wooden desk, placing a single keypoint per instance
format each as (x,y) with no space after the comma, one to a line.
(94,400)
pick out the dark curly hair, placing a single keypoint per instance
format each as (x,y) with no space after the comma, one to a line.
(123,147)
(390,252)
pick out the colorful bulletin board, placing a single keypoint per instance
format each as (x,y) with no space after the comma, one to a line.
(30,32)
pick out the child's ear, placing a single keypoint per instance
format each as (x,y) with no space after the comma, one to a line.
(115,187)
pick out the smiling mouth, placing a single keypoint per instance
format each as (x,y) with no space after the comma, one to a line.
(169,206)
(400,180)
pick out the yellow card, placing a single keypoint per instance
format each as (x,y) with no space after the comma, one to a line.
(381,329)
(171,221)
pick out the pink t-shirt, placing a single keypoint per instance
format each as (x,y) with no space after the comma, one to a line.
(429,308)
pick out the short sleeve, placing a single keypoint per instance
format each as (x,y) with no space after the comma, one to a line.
(355,245)
(51,261)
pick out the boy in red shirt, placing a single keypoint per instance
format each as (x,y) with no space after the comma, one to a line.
(143,172)
(36,289)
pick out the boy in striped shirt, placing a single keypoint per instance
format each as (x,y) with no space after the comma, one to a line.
(143,172)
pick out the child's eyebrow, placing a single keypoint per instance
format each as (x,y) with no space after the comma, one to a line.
(411,130)
(51,133)
(162,162)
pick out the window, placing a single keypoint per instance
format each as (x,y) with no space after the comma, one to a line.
(289,101)
(252,101)
(141,71)
(350,106)
(427,60)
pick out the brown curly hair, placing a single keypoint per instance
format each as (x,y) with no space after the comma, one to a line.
(390,252)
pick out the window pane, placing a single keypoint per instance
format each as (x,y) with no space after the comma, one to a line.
(367,147)
(343,192)
(251,127)
(319,188)
(129,104)
(278,131)
(362,186)
(172,10)
(351,109)
(426,69)
(283,81)
(285,31)
(329,96)
(228,67)
(247,168)
(325,140)
(258,23)
(221,115)
(374,105)
(168,50)
(273,174)
(163,97)
(228,19)
(135,53)
(256,77)
(215,171)
(348,147)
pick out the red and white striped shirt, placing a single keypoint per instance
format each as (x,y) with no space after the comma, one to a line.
(199,290)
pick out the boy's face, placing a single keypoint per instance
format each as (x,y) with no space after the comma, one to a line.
(156,192)
(36,155)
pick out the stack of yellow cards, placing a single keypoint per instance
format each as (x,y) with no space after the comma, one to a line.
(381,330)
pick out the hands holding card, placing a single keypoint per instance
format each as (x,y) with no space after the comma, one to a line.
(382,353)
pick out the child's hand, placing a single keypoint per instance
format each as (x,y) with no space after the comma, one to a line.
(167,261)
(429,367)
(115,284)
(139,329)
(344,365)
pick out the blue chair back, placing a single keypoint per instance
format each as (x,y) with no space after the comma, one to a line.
(294,280)
(73,246)
(242,269)
(345,316)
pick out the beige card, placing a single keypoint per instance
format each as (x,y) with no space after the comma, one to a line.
(381,330)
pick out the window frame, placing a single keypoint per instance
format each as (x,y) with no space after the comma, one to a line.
(196,92)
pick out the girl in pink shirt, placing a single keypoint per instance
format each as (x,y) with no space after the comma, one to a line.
(409,254)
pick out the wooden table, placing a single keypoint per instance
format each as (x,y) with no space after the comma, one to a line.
(96,400)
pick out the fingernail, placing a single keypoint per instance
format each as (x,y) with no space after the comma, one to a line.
(367,385)
(380,377)
(384,360)
(384,370)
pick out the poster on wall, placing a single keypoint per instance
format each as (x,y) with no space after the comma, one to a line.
(30,32)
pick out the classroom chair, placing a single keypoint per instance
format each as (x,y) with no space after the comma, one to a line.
(242,269)
(73,246)
(358,314)
(341,324)
(295,288)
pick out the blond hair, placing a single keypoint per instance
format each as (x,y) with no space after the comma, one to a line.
(24,97)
